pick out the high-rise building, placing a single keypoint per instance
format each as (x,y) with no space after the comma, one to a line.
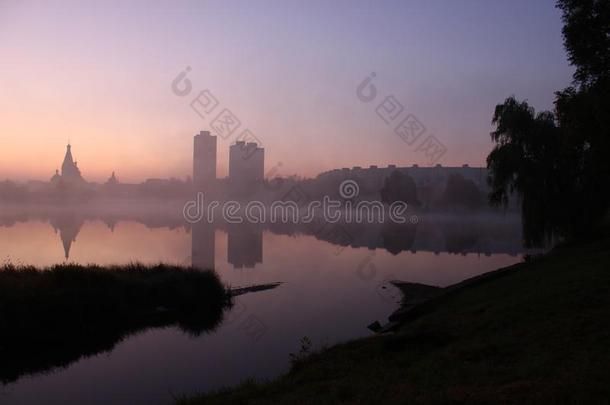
(246,163)
(204,160)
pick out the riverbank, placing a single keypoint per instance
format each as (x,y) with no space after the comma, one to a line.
(53,316)
(536,332)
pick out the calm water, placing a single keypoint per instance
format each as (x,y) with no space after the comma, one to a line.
(330,291)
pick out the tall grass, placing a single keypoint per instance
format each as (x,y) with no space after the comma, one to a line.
(52,316)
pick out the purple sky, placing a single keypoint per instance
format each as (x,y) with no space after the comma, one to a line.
(100,76)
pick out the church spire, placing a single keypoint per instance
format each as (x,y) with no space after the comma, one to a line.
(68,158)
(69,169)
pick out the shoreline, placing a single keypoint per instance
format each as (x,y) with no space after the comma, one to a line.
(528,333)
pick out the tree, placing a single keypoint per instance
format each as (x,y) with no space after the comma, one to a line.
(559,163)
(525,161)
(582,110)
(586,38)
(399,187)
(463,192)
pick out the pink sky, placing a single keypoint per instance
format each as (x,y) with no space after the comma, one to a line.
(99,76)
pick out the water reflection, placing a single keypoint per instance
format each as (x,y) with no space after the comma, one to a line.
(68,224)
(44,332)
(482,235)
(203,246)
(245,246)
(334,284)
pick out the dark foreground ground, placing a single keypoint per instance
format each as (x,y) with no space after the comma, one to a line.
(538,332)
(54,316)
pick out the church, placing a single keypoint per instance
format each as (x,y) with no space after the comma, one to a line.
(70,173)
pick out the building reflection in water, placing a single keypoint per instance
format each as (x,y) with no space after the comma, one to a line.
(68,227)
(245,246)
(482,235)
(203,245)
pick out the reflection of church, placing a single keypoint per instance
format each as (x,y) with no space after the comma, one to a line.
(68,227)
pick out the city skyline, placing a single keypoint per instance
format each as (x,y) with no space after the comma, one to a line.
(295,93)
(247,158)
(288,201)
(204,163)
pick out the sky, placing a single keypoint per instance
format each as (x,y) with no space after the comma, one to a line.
(99,75)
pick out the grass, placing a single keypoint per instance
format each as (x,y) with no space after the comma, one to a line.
(53,316)
(538,332)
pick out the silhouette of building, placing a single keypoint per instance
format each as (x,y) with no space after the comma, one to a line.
(70,173)
(112,187)
(112,180)
(56,177)
(204,160)
(373,177)
(246,163)
(430,181)
(69,169)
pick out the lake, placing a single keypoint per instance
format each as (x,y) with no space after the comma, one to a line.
(334,284)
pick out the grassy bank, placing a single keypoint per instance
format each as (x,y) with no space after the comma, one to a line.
(538,332)
(53,316)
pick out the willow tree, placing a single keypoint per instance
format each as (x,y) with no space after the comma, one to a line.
(525,163)
(559,163)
